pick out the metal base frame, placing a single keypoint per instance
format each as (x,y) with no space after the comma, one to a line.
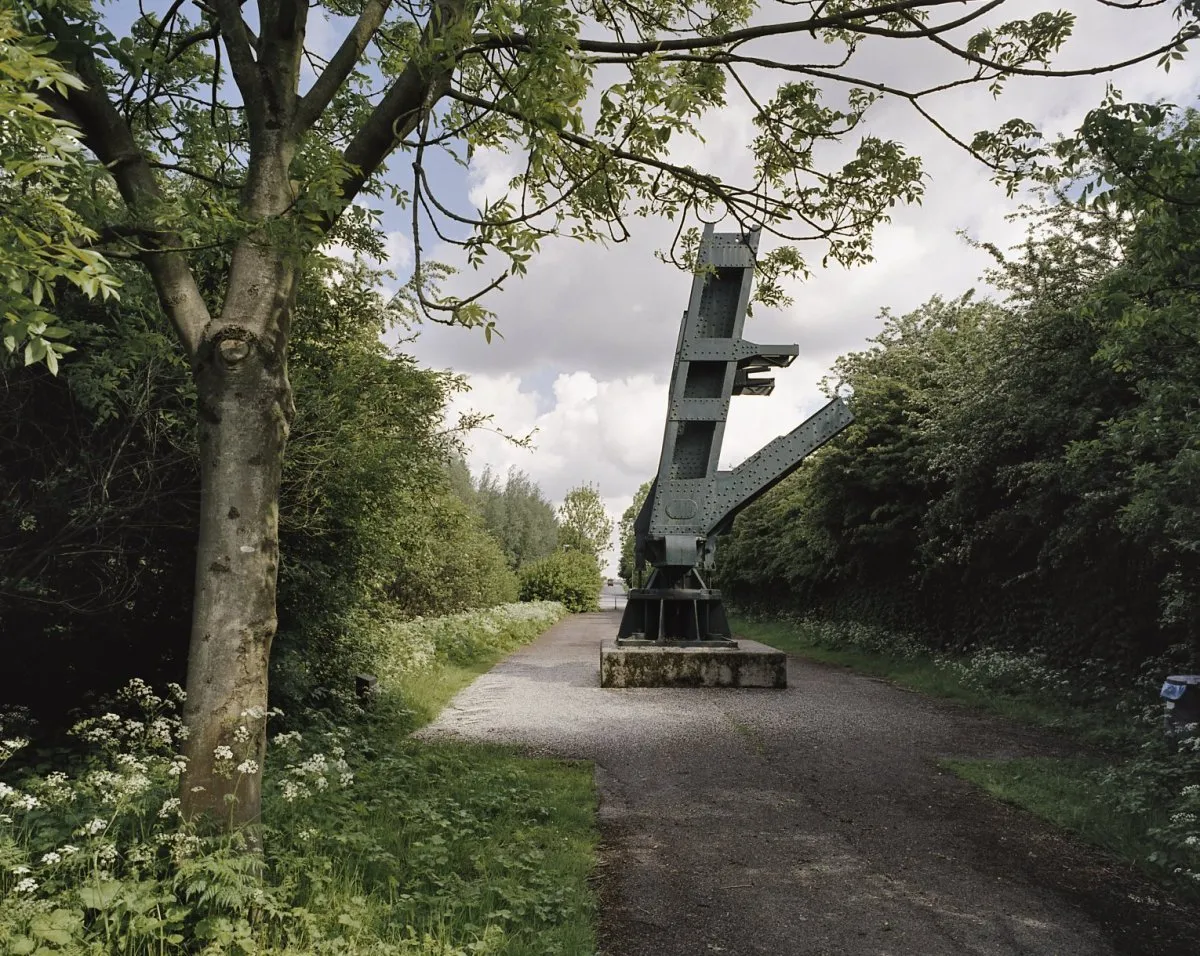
(675,617)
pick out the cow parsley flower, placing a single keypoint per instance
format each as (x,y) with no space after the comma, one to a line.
(97,825)
(27,885)
(223,753)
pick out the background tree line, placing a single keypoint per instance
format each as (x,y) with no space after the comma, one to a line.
(1022,470)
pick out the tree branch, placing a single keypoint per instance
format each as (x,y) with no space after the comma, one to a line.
(107,135)
(709,185)
(415,91)
(340,66)
(850,20)
(1188,33)
(241,58)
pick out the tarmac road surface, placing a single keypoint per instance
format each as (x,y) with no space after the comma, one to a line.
(813,820)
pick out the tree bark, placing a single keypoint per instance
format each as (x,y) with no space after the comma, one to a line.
(244,406)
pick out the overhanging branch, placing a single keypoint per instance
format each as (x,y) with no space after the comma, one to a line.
(340,66)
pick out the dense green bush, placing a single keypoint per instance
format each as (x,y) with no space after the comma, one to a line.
(100,501)
(1024,473)
(571,577)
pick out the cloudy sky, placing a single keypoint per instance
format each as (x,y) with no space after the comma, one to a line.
(589,334)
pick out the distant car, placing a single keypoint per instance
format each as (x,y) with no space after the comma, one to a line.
(611,582)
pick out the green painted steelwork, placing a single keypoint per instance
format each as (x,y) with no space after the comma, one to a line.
(691,502)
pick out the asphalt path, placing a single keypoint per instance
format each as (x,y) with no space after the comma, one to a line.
(612,597)
(813,820)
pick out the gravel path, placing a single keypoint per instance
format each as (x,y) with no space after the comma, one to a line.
(808,821)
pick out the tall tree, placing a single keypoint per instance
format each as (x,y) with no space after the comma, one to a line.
(522,520)
(583,523)
(225,150)
(625,533)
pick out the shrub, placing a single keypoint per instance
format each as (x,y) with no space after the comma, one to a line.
(571,577)
(408,646)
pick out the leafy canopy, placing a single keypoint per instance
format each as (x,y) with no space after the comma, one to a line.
(43,240)
(596,99)
(584,525)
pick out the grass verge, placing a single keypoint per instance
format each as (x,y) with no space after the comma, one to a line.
(455,848)
(1092,724)
(1062,791)
(448,849)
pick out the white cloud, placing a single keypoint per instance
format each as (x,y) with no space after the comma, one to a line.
(589,335)
(397,255)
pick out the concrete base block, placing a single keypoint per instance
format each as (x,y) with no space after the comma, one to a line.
(750,664)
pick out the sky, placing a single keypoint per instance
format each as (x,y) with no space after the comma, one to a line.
(589,335)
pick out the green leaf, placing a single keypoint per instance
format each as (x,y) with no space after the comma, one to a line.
(99,896)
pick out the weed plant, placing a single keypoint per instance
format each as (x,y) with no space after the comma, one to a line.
(372,842)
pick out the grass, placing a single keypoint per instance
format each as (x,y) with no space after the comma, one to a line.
(425,693)
(1062,791)
(452,848)
(468,849)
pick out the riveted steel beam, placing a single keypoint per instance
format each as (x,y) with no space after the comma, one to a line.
(690,502)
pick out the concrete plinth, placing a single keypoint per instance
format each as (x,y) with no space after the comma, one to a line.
(750,664)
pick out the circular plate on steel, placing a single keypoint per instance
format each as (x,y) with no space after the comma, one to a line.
(681,509)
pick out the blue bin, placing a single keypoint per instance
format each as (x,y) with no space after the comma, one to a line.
(1181,701)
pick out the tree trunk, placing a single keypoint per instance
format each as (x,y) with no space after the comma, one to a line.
(244,407)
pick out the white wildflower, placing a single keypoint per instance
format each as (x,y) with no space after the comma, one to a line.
(249,767)
(170,806)
(307,833)
(68,849)
(160,730)
(19,870)
(11,745)
(27,885)
(293,790)
(97,825)
(49,859)
(346,779)
(223,753)
(241,735)
(178,766)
